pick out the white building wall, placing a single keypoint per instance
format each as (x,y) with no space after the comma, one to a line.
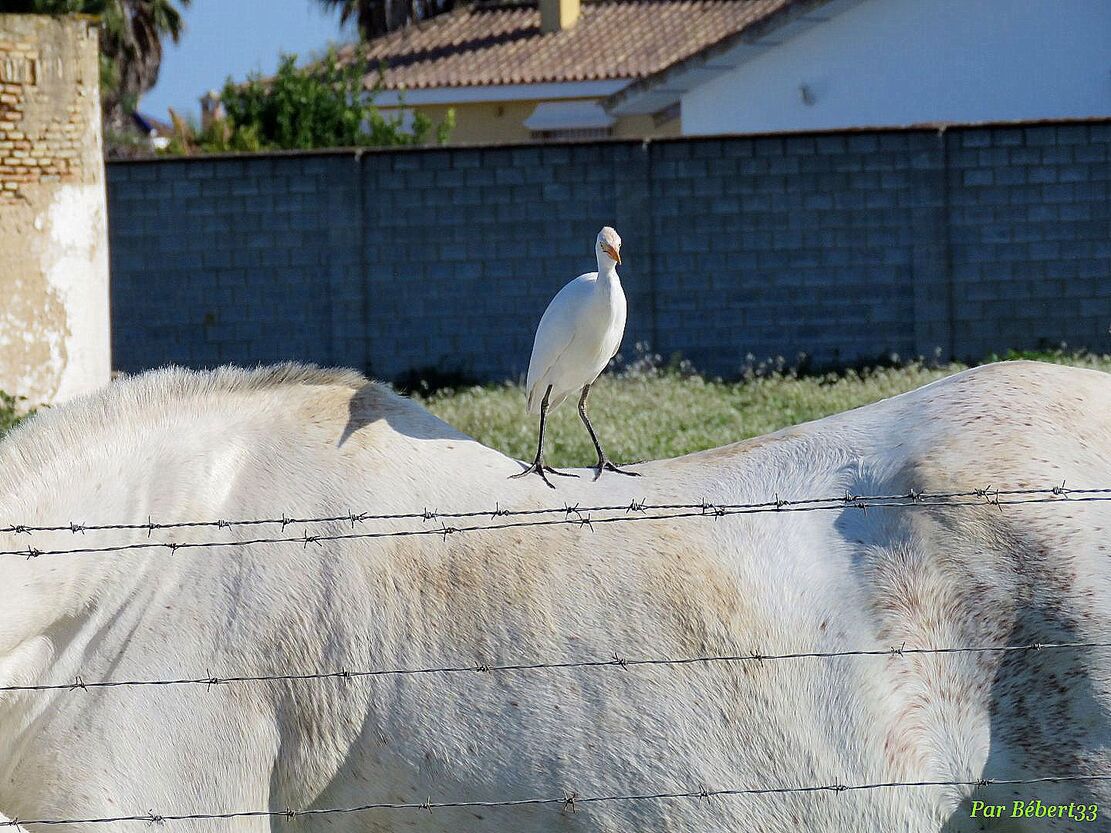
(900,62)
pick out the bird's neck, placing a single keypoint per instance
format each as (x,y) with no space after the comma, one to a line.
(607,275)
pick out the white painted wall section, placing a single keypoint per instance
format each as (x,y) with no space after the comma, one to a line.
(901,62)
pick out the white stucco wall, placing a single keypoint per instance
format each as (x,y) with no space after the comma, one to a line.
(899,62)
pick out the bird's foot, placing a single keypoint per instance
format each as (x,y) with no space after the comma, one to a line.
(550,470)
(543,469)
(605,464)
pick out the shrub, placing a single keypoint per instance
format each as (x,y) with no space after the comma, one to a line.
(322,105)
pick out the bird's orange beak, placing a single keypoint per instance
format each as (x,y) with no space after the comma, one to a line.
(612,252)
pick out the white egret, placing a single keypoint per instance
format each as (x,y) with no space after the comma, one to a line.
(578,334)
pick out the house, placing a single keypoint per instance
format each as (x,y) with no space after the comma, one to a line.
(516,71)
(157,133)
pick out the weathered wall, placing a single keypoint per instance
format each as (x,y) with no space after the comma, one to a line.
(843,246)
(54,328)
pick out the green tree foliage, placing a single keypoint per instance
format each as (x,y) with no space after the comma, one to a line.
(323,105)
(131,33)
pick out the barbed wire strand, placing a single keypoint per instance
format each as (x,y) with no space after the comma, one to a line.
(583,518)
(615,661)
(568,801)
(1058,492)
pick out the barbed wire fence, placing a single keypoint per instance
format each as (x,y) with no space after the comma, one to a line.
(616,660)
(567,515)
(568,801)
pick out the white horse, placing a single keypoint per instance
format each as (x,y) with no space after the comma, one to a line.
(181,446)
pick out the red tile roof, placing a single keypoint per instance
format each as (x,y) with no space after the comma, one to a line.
(501,43)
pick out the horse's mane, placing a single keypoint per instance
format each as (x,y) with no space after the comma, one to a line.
(232,379)
(154,393)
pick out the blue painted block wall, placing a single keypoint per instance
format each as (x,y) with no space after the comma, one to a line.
(845,247)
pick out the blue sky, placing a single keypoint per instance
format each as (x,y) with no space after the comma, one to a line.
(234,37)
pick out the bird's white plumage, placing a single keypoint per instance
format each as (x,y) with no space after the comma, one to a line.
(580,330)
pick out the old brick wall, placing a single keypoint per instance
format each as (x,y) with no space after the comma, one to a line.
(54,331)
(844,246)
(42,123)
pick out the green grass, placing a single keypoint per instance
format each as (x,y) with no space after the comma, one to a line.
(9,412)
(659,413)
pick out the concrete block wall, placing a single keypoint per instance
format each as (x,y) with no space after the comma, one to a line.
(844,246)
(787,245)
(250,260)
(1030,236)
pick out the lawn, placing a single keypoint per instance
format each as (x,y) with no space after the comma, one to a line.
(658,413)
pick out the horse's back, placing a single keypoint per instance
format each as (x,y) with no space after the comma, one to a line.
(830,581)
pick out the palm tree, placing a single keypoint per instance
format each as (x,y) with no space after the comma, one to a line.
(131,33)
(377,17)
(131,50)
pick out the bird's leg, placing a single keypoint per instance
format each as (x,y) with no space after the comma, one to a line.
(538,465)
(604,463)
